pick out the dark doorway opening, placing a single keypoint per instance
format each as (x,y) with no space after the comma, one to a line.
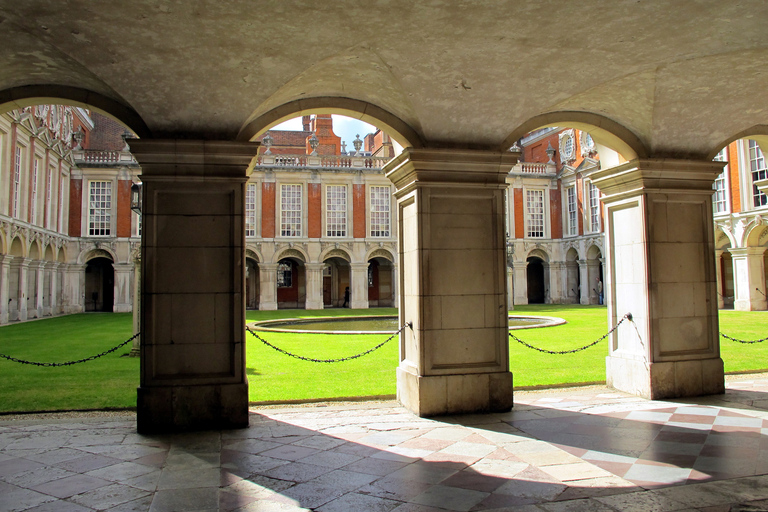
(99,285)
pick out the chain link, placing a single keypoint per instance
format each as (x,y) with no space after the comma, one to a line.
(339,360)
(742,341)
(628,316)
(70,363)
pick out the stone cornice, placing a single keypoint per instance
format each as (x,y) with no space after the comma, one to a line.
(195,159)
(449,166)
(657,176)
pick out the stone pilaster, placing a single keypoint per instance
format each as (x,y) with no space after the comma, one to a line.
(749,279)
(520,278)
(358,289)
(314,298)
(192,284)
(455,358)
(268,286)
(21,267)
(584,284)
(5,287)
(38,267)
(557,282)
(123,278)
(660,241)
(719,279)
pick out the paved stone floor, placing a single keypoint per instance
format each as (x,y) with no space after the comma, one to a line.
(590,449)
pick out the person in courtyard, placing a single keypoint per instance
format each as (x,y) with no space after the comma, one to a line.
(599,291)
(346,298)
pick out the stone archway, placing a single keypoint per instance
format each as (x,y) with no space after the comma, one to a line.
(291,283)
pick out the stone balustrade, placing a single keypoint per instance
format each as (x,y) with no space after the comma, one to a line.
(322,162)
(533,168)
(99,157)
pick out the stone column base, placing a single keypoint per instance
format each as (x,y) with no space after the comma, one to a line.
(202,407)
(454,394)
(750,305)
(313,304)
(267,306)
(675,379)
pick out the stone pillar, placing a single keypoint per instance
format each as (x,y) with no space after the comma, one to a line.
(50,269)
(5,285)
(557,282)
(660,249)
(593,274)
(749,279)
(192,284)
(73,296)
(136,302)
(455,358)
(719,279)
(510,288)
(21,266)
(520,271)
(267,286)
(358,285)
(584,285)
(39,269)
(123,274)
(314,298)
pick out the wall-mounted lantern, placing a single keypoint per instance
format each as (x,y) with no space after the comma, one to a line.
(136,198)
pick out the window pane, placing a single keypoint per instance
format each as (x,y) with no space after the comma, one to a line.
(336,210)
(594,208)
(535,213)
(99,208)
(250,209)
(380,199)
(757,167)
(719,200)
(572,218)
(290,210)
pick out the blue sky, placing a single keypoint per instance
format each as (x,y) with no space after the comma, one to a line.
(344,127)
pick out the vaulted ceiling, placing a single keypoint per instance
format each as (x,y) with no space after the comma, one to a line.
(679,78)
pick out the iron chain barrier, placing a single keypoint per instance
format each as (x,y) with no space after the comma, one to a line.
(70,363)
(339,360)
(628,316)
(748,342)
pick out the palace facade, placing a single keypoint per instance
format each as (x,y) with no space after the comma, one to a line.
(321,221)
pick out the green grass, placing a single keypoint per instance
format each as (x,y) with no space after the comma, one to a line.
(273,376)
(108,382)
(111,382)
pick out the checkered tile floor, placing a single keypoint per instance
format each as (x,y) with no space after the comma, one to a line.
(590,449)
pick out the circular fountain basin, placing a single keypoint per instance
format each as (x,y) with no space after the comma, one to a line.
(374,324)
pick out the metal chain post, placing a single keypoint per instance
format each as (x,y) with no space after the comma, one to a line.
(70,363)
(339,360)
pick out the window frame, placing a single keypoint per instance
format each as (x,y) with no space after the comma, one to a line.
(105,228)
(329,215)
(373,214)
(298,214)
(571,216)
(528,214)
(721,196)
(251,209)
(593,207)
(759,199)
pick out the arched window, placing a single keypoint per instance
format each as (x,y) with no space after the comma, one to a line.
(284,275)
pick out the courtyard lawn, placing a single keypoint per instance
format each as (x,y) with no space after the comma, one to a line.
(107,382)
(273,376)
(111,382)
